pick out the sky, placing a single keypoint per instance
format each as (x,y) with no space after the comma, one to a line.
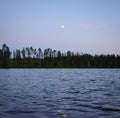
(88,26)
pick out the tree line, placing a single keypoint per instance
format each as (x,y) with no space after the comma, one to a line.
(48,58)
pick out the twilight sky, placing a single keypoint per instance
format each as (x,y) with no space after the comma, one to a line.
(88,26)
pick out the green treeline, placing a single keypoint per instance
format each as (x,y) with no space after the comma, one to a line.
(36,58)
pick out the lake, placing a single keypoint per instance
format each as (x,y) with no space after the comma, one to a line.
(59,93)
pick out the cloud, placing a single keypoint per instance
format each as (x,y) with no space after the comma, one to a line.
(104,24)
(87,26)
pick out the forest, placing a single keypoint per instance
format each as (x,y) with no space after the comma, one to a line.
(29,57)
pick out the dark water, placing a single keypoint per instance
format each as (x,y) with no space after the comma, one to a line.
(59,93)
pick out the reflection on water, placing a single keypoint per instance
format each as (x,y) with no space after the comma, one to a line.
(59,93)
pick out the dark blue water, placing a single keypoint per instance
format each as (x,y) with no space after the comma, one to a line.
(59,93)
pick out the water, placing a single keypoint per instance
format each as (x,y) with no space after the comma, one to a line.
(59,93)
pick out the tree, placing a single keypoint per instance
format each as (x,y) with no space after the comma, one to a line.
(69,53)
(23,53)
(31,51)
(5,56)
(1,57)
(59,53)
(28,52)
(29,57)
(39,52)
(48,52)
(54,53)
(18,55)
(6,51)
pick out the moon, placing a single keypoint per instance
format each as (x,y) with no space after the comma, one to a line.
(62,26)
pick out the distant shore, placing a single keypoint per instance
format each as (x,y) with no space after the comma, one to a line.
(49,58)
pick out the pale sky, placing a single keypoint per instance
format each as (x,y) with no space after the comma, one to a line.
(88,26)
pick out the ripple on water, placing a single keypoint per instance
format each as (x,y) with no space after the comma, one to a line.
(60,93)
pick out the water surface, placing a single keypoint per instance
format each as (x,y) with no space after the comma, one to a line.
(59,93)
